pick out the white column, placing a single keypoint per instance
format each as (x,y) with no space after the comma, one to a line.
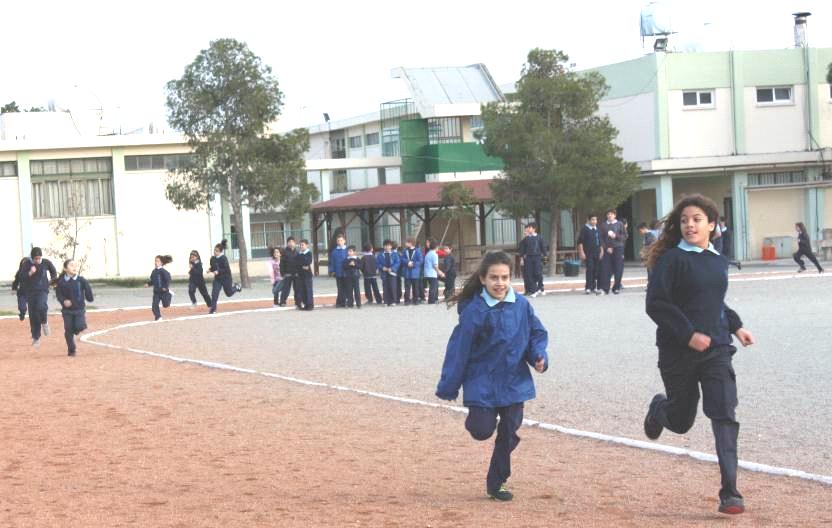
(24,190)
(245,222)
(739,196)
(664,196)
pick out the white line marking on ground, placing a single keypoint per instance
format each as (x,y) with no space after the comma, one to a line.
(629,442)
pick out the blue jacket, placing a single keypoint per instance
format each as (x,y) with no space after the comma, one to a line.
(160,280)
(77,291)
(490,351)
(413,255)
(394,261)
(337,258)
(221,266)
(37,282)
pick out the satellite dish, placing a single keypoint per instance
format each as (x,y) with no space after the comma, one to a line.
(656,20)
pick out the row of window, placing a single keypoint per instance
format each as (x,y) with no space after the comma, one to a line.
(775,95)
(777,178)
(369,140)
(157,162)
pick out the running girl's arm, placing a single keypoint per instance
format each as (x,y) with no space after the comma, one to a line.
(50,268)
(734,321)
(87,290)
(456,357)
(165,279)
(59,293)
(150,280)
(538,341)
(660,306)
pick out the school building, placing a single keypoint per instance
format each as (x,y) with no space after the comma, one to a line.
(751,129)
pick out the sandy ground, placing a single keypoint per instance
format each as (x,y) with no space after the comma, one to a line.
(114,439)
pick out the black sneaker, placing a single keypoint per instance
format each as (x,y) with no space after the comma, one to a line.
(71,353)
(22,316)
(731,506)
(652,428)
(502,494)
(237,288)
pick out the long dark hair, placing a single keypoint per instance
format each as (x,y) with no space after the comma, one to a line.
(195,253)
(801,227)
(222,246)
(164,259)
(671,234)
(473,284)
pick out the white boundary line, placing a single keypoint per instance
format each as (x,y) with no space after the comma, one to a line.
(629,442)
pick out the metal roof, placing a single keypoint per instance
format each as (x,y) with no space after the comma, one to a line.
(443,91)
(401,195)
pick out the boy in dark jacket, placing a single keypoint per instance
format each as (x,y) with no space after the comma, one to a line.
(613,237)
(304,296)
(36,286)
(17,286)
(388,263)
(448,270)
(590,251)
(369,269)
(73,292)
(288,269)
(352,272)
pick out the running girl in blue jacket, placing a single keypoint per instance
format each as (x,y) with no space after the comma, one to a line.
(489,353)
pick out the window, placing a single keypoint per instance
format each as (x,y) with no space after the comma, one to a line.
(339,150)
(444,130)
(777,178)
(8,169)
(774,95)
(157,162)
(390,141)
(355,142)
(371,139)
(703,99)
(340,182)
(76,187)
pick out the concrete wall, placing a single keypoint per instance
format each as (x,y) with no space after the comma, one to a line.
(96,238)
(773,213)
(148,224)
(775,128)
(716,188)
(10,221)
(635,118)
(824,106)
(698,131)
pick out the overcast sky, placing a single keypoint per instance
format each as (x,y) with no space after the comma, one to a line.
(336,56)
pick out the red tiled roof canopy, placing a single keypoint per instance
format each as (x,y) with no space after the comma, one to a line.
(401,195)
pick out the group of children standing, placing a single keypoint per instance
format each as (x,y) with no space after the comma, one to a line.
(601,247)
(415,268)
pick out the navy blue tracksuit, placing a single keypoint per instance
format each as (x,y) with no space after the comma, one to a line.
(196,281)
(160,280)
(531,251)
(389,261)
(449,269)
(78,292)
(612,265)
(369,269)
(17,286)
(222,280)
(36,287)
(352,284)
(590,241)
(804,248)
(304,296)
(288,270)
(686,294)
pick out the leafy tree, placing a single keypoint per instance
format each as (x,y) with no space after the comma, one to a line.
(459,202)
(223,104)
(829,73)
(558,152)
(9,107)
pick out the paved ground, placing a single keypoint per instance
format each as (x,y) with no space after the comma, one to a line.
(601,377)
(111,438)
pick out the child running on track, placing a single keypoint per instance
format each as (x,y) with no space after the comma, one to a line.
(222,276)
(489,353)
(73,292)
(160,281)
(196,279)
(686,299)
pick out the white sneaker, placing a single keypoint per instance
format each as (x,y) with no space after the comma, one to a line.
(35,343)
(45,327)
(535,294)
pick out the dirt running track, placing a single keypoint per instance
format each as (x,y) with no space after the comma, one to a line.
(114,439)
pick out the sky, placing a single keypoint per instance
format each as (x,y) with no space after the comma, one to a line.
(336,56)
